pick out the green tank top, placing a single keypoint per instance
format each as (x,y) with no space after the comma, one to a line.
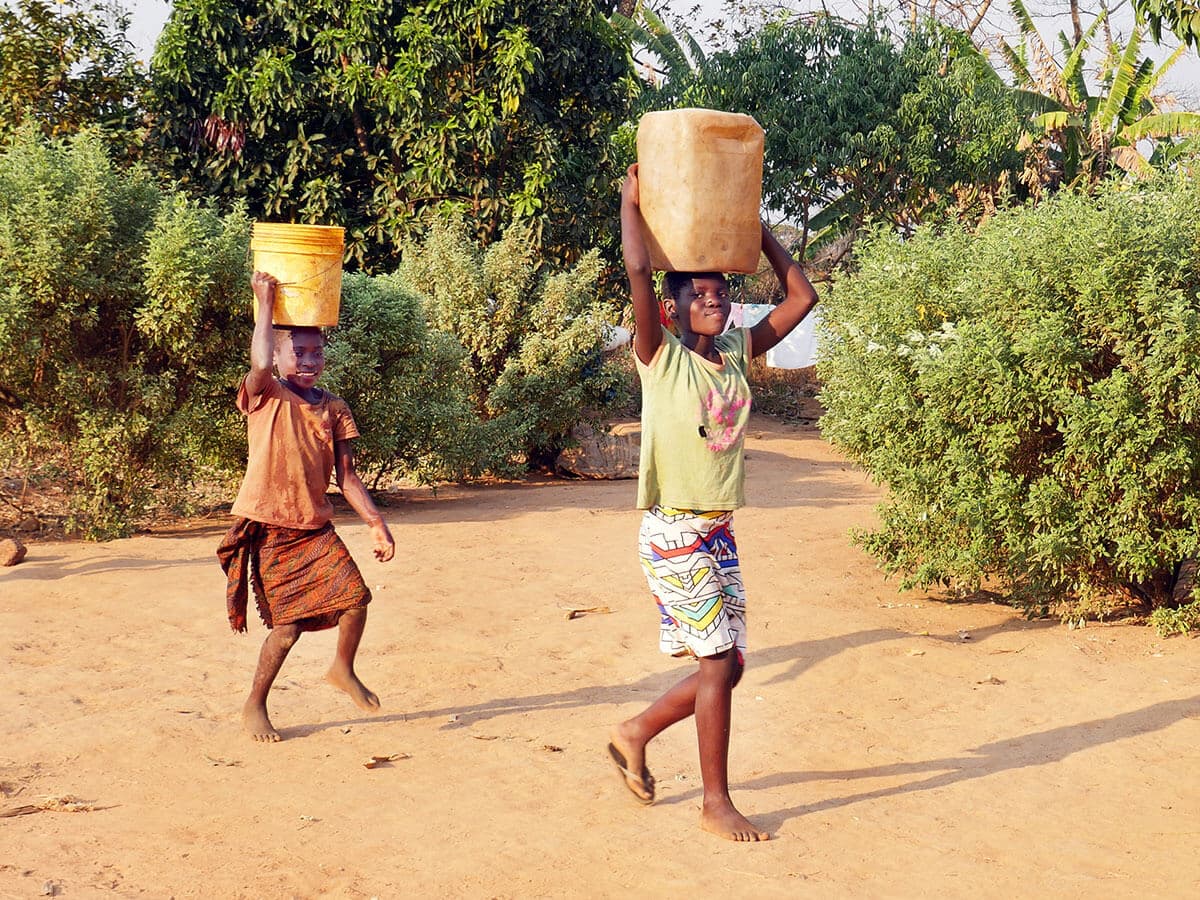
(694,416)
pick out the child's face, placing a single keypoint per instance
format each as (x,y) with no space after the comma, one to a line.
(300,357)
(702,306)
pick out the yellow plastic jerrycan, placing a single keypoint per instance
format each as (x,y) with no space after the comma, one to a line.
(700,189)
(307,262)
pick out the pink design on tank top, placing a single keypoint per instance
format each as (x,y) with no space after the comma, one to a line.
(720,414)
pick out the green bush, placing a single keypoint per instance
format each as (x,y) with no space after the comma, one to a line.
(125,326)
(1178,620)
(120,307)
(1030,395)
(406,384)
(532,336)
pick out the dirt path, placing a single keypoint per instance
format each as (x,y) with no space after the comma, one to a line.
(892,745)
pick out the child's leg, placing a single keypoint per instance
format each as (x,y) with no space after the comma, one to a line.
(714,695)
(270,659)
(341,674)
(631,736)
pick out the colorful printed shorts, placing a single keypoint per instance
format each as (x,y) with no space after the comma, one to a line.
(691,564)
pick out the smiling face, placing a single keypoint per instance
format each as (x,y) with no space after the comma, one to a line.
(699,303)
(300,356)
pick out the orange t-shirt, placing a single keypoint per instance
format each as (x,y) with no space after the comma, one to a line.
(291,455)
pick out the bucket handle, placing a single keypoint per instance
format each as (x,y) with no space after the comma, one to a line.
(328,268)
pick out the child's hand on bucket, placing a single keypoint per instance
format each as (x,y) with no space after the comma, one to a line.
(630,186)
(264,286)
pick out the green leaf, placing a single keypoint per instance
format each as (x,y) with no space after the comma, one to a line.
(1072,71)
(1123,81)
(1163,125)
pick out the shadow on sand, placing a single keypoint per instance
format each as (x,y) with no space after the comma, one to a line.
(1039,748)
(799,657)
(1021,751)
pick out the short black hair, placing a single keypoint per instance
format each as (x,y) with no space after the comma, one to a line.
(283,331)
(674,282)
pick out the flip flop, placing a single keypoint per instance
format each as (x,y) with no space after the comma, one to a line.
(645,781)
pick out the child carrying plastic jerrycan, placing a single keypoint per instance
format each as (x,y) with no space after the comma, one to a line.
(700,178)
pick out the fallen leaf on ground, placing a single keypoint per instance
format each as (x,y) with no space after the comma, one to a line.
(50,804)
(67,804)
(575,612)
(376,761)
(19,811)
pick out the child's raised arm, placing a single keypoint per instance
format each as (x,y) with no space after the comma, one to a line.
(262,344)
(799,297)
(648,334)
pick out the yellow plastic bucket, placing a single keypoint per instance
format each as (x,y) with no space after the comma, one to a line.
(307,262)
(700,185)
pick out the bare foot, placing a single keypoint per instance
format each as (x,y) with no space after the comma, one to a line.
(257,725)
(347,681)
(725,821)
(634,755)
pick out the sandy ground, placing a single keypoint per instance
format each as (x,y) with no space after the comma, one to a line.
(892,745)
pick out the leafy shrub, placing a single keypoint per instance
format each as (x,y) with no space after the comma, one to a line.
(1030,394)
(532,336)
(120,306)
(124,328)
(1178,620)
(406,384)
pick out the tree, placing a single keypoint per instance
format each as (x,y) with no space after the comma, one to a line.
(371,115)
(1078,135)
(663,59)
(860,126)
(66,66)
(1180,16)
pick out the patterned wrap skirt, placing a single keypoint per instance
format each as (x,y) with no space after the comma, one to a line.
(301,577)
(691,564)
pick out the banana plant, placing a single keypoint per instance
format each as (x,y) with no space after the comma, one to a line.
(1077,136)
(678,55)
